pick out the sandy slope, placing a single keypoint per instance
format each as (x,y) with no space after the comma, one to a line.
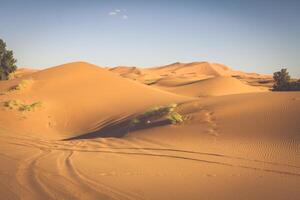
(20,72)
(241,146)
(77,98)
(218,86)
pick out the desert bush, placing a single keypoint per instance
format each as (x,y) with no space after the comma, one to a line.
(21,106)
(294,86)
(30,107)
(12,76)
(156,114)
(7,61)
(13,104)
(282,79)
(25,83)
(175,118)
(283,82)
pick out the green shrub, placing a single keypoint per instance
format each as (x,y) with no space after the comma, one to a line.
(283,82)
(13,104)
(30,107)
(156,114)
(175,118)
(23,84)
(294,86)
(12,76)
(21,106)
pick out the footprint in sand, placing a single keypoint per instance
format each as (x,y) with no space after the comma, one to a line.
(211,120)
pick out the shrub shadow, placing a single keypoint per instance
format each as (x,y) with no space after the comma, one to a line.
(119,129)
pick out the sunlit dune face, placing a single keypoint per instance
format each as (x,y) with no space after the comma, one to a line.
(79,131)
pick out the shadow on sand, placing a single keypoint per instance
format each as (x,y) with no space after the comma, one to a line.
(119,129)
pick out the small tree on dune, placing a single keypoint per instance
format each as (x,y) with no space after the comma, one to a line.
(282,80)
(7,61)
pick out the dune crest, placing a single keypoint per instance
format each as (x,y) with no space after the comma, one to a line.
(79,97)
(195,68)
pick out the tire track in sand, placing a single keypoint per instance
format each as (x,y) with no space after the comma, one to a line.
(158,152)
(28,176)
(92,189)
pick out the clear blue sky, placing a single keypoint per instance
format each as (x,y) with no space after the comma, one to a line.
(255,36)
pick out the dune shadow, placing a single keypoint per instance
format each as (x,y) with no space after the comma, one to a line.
(118,129)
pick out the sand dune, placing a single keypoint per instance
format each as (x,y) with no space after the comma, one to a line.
(200,70)
(218,86)
(236,142)
(78,98)
(126,70)
(23,72)
(195,68)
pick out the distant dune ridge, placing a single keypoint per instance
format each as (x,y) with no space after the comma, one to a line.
(217,86)
(238,139)
(195,79)
(186,70)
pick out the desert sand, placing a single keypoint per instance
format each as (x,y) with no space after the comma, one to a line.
(239,140)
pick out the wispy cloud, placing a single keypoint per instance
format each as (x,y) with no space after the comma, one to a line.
(112,13)
(119,13)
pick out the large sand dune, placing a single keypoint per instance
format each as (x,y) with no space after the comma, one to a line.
(237,141)
(77,98)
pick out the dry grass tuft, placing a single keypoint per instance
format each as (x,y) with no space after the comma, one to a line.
(23,84)
(21,106)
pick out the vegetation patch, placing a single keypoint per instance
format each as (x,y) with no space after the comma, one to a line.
(283,82)
(157,115)
(12,76)
(21,106)
(175,118)
(7,61)
(23,84)
(154,117)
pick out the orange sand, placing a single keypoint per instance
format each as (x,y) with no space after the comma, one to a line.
(238,141)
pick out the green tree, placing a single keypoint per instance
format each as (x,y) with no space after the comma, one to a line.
(295,85)
(7,61)
(282,80)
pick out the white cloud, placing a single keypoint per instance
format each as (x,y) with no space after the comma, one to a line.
(121,13)
(112,13)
